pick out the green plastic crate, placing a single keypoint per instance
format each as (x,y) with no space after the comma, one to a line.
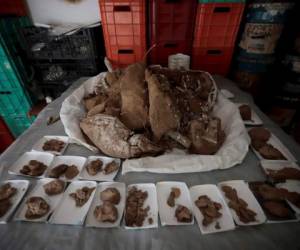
(11,39)
(13,102)
(221,1)
(18,123)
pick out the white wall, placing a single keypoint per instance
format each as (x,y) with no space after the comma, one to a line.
(62,12)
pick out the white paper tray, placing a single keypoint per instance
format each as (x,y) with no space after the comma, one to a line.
(67,213)
(22,187)
(91,221)
(151,201)
(256,121)
(291,186)
(245,193)
(39,145)
(78,161)
(225,221)
(100,176)
(45,158)
(39,191)
(167,213)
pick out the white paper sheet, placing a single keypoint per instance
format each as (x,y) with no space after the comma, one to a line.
(231,153)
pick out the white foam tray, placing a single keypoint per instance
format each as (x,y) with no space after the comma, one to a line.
(276,165)
(256,121)
(100,176)
(291,186)
(225,221)
(78,161)
(151,201)
(245,193)
(276,143)
(39,145)
(91,220)
(167,213)
(39,191)
(45,158)
(22,187)
(67,213)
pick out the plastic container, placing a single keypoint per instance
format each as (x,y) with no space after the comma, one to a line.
(179,61)
(124,29)
(253,63)
(268,12)
(161,53)
(12,7)
(260,38)
(171,28)
(212,60)
(39,45)
(217,24)
(6,137)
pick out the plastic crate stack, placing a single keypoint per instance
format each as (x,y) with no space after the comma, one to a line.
(14,99)
(58,60)
(217,25)
(124,28)
(12,7)
(171,28)
(256,53)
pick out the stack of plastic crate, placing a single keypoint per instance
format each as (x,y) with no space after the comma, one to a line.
(216,28)
(124,29)
(171,28)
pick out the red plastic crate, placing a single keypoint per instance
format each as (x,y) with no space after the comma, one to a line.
(124,29)
(12,7)
(212,60)
(217,24)
(6,138)
(171,28)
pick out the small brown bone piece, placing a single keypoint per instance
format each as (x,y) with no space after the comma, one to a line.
(245,112)
(183,214)
(111,195)
(37,207)
(111,167)
(259,134)
(57,171)
(175,193)
(5,205)
(94,167)
(54,187)
(53,145)
(81,196)
(106,212)
(33,168)
(7,191)
(271,153)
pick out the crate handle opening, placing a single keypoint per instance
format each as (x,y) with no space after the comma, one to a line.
(221,9)
(125,51)
(263,36)
(214,52)
(172,1)
(170,45)
(122,8)
(5,92)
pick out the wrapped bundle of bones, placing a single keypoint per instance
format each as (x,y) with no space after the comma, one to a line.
(142,111)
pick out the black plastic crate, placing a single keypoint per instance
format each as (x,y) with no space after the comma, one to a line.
(79,46)
(60,73)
